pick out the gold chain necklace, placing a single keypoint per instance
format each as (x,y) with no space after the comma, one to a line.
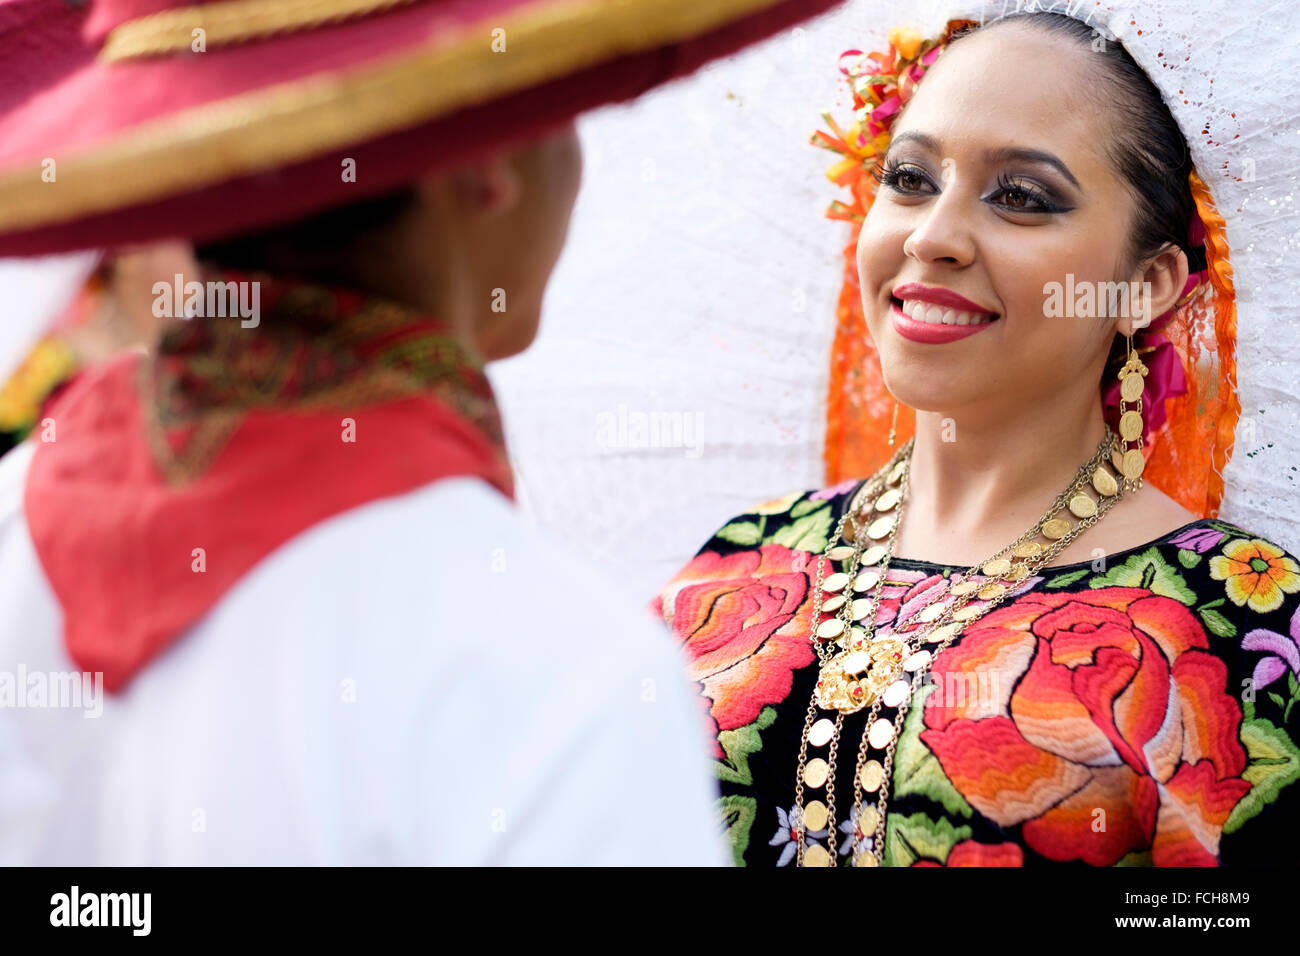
(869,670)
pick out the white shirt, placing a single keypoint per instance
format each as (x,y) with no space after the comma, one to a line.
(420,680)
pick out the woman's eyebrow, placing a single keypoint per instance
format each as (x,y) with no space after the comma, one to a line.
(1000,155)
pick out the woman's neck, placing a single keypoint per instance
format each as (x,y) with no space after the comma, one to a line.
(976,484)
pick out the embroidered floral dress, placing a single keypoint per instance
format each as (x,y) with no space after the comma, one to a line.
(1139,711)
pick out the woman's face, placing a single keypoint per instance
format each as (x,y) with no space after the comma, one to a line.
(950,224)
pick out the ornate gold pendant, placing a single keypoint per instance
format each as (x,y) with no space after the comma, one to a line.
(854,678)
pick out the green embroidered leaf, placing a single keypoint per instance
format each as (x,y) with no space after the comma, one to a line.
(1065,579)
(916,768)
(1151,571)
(1276,698)
(1188,559)
(1292,685)
(807,533)
(738,744)
(805,506)
(1136,858)
(744,533)
(1273,762)
(910,838)
(738,815)
(1217,624)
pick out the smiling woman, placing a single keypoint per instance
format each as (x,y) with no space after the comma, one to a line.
(1003,647)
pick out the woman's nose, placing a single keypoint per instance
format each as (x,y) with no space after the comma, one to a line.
(943,228)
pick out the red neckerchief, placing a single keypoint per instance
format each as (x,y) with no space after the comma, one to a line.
(170,476)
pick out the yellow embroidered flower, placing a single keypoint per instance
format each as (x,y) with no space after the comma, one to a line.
(1257,573)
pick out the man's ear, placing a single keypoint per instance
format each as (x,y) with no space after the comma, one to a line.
(489,186)
(1160,282)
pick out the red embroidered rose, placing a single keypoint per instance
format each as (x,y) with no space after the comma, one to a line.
(1107,729)
(970,853)
(745,625)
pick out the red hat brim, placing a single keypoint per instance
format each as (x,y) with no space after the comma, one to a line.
(205,145)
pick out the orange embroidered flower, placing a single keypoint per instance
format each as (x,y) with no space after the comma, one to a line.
(1256,573)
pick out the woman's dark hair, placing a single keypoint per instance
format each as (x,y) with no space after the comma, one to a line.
(1147,149)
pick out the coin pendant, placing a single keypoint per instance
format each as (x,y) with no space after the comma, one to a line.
(931,613)
(868,819)
(871,776)
(996,567)
(1104,483)
(862,609)
(880,527)
(1027,549)
(880,734)
(830,629)
(965,587)
(840,553)
(1082,506)
(815,816)
(816,856)
(916,661)
(1017,574)
(1130,389)
(820,735)
(835,582)
(1117,459)
(991,592)
(941,634)
(1056,528)
(815,773)
(896,693)
(833,603)
(897,472)
(866,580)
(1130,426)
(967,612)
(887,501)
(1133,464)
(866,858)
(872,555)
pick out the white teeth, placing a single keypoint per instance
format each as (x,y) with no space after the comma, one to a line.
(935,315)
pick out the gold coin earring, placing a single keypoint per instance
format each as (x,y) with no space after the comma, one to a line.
(1131,380)
(893,426)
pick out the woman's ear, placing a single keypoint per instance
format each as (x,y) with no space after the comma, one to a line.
(1160,280)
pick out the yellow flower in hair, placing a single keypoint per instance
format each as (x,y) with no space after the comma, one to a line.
(1256,573)
(906,40)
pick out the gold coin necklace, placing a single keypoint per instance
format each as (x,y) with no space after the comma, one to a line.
(870,670)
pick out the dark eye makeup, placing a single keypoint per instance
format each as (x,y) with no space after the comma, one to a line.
(896,175)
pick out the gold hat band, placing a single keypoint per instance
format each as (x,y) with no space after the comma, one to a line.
(295,120)
(227,22)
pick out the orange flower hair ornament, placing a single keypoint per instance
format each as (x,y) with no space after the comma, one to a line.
(1190,397)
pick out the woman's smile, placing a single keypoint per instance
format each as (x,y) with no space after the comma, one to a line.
(933,324)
